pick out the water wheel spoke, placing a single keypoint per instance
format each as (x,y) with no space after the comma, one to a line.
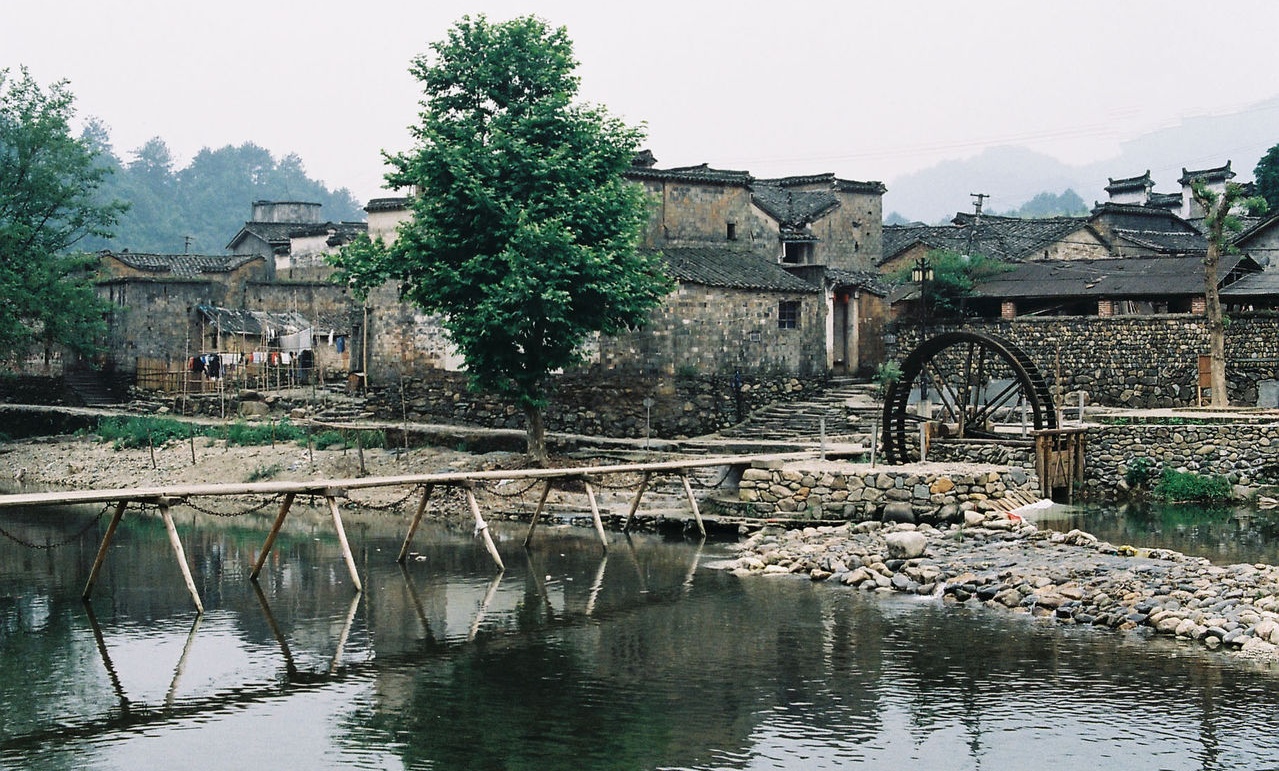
(949,399)
(987,411)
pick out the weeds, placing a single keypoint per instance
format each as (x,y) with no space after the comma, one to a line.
(1183,486)
(262,473)
(127,433)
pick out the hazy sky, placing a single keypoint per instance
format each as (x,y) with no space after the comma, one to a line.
(868,90)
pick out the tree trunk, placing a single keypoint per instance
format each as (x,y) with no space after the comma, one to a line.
(1216,328)
(535,435)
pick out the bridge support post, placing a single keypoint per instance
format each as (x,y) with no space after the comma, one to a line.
(595,514)
(270,538)
(331,497)
(692,502)
(483,527)
(541,504)
(178,552)
(417,519)
(643,485)
(103,547)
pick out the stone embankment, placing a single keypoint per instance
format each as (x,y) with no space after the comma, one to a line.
(1000,561)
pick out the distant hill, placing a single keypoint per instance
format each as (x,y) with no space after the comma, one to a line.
(1014,175)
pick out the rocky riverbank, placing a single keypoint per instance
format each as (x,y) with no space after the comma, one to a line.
(1001,561)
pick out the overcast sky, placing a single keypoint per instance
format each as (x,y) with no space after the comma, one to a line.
(868,90)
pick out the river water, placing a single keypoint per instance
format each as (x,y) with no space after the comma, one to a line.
(641,658)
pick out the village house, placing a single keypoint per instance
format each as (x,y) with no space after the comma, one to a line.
(293,238)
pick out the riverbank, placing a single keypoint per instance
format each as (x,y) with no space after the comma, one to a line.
(1001,561)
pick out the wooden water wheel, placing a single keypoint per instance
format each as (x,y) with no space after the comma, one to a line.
(976,385)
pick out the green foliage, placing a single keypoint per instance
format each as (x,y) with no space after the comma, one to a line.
(127,433)
(1188,486)
(1266,175)
(50,201)
(954,276)
(524,234)
(1139,472)
(208,200)
(1045,204)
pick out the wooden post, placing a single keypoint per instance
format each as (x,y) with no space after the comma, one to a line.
(417,518)
(541,503)
(692,502)
(643,485)
(270,538)
(178,552)
(482,527)
(330,496)
(103,547)
(595,514)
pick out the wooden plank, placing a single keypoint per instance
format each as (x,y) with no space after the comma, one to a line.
(319,487)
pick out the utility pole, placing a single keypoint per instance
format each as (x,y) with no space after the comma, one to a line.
(186,244)
(978,199)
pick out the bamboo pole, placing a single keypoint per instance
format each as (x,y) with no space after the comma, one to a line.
(178,552)
(692,502)
(417,519)
(103,547)
(182,664)
(482,527)
(643,485)
(541,504)
(342,542)
(270,538)
(595,514)
(344,635)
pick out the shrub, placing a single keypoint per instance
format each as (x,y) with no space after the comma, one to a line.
(1139,472)
(1189,486)
(143,431)
(256,434)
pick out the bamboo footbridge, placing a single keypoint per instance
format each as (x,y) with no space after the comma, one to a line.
(333,489)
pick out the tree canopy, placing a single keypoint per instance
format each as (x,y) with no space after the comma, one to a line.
(1266,175)
(524,234)
(50,201)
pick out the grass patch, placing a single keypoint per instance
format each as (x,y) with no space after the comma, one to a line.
(263,473)
(334,439)
(1182,486)
(125,433)
(258,434)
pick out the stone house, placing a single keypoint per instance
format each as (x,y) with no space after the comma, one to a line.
(293,237)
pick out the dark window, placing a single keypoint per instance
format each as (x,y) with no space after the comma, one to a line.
(788,314)
(797,252)
(732,231)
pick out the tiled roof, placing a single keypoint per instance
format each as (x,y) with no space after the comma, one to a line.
(1129,183)
(1163,241)
(1000,238)
(1113,278)
(865,280)
(1218,174)
(1262,284)
(793,208)
(277,234)
(1164,201)
(387,204)
(701,174)
(731,268)
(184,265)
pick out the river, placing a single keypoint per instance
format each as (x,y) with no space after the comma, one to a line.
(643,657)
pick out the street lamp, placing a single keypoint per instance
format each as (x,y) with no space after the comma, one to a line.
(922,274)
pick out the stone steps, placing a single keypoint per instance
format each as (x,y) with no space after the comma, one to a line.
(848,406)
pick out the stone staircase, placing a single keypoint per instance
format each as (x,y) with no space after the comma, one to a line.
(849,406)
(89,388)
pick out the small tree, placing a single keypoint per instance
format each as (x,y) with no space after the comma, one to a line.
(524,234)
(49,201)
(954,276)
(1220,222)
(1267,177)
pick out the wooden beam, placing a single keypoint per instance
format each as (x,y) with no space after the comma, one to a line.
(482,527)
(103,547)
(595,514)
(270,538)
(178,552)
(692,502)
(342,542)
(643,485)
(417,519)
(541,504)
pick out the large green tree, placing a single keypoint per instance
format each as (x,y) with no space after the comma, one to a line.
(1267,177)
(524,234)
(49,182)
(1220,222)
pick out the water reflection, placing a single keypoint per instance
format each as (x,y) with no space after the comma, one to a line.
(1223,534)
(637,658)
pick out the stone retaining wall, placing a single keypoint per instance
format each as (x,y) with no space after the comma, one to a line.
(597,405)
(1247,454)
(1134,361)
(897,493)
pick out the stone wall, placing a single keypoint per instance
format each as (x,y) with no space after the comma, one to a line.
(859,493)
(1137,362)
(1245,453)
(590,404)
